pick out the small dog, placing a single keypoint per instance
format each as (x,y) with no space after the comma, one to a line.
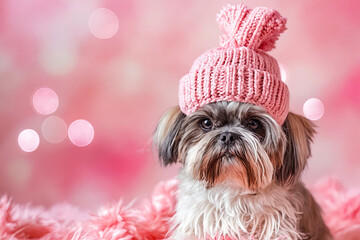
(241,173)
(241,149)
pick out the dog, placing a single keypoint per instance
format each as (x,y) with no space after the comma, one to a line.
(241,173)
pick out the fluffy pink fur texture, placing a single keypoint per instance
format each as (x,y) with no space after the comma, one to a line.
(150,220)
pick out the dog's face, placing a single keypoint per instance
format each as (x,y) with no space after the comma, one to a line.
(233,143)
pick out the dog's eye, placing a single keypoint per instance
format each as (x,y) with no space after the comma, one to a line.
(206,124)
(254,124)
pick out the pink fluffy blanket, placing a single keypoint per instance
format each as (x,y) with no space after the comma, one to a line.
(150,220)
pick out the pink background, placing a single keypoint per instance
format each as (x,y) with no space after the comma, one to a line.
(123,84)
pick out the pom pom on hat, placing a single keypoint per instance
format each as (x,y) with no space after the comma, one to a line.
(256,29)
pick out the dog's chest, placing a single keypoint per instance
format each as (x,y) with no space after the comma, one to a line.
(221,211)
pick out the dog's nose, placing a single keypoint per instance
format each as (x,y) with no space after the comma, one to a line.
(227,138)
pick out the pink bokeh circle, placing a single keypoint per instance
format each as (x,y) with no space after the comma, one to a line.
(81,133)
(103,23)
(45,101)
(54,129)
(313,109)
(28,140)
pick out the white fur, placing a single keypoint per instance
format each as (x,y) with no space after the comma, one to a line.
(229,211)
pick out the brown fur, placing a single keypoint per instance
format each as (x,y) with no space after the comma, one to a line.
(215,163)
(166,136)
(271,153)
(311,221)
(299,133)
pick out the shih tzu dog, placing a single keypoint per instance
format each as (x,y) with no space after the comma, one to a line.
(240,175)
(242,151)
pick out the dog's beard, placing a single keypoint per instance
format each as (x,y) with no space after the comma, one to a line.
(244,164)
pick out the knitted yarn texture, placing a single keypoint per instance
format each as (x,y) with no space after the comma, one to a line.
(240,69)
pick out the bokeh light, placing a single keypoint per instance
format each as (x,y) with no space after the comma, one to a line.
(103,23)
(19,171)
(126,76)
(54,129)
(45,101)
(59,59)
(81,133)
(28,140)
(313,109)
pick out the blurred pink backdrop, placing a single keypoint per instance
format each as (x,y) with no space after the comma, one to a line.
(118,68)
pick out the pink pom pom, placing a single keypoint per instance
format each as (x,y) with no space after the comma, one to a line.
(257,29)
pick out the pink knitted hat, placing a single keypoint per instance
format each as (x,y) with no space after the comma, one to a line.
(240,69)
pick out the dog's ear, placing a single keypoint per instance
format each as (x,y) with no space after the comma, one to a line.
(166,136)
(299,132)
